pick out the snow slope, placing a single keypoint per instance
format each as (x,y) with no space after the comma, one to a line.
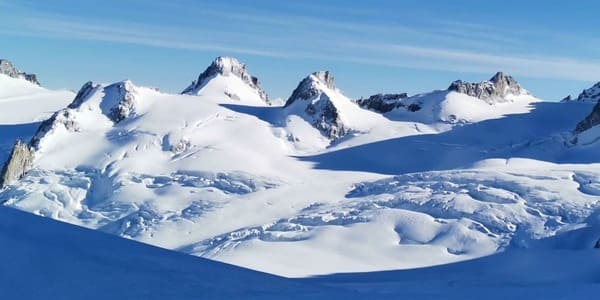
(267,188)
(48,259)
(23,105)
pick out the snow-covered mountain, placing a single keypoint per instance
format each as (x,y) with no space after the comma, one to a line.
(317,102)
(338,187)
(462,103)
(229,76)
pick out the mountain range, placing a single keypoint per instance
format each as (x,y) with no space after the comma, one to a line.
(320,184)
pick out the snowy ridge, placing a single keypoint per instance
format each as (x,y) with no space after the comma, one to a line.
(246,91)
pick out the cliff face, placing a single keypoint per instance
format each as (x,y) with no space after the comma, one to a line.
(590,121)
(17,165)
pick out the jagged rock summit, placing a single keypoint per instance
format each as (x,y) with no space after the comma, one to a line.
(228,67)
(500,88)
(7,68)
(311,87)
(313,100)
(319,103)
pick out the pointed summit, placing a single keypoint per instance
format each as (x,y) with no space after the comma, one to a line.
(226,67)
(311,86)
(496,90)
(7,68)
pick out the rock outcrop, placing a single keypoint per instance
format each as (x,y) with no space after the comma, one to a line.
(495,90)
(591,94)
(125,100)
(590,121)
(227,66)
(17,165)
(383,103)
(7,68)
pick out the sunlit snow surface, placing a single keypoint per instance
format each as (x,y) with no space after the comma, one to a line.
(253,186)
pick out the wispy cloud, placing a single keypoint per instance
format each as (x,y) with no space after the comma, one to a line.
(452,46)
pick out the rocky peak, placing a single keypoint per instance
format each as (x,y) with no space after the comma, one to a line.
(492,91)
(325,77)
(311,86)
(226,66)
(7,68)
(311,97)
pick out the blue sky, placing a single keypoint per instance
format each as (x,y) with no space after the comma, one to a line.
(550,46)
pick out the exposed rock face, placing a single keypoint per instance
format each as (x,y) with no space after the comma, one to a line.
(590,95)
(590,121)
(382,103)
(125,105)
(17,165)
(311,95)
(492,91)
(8,69)
(327,118)
(227,66)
